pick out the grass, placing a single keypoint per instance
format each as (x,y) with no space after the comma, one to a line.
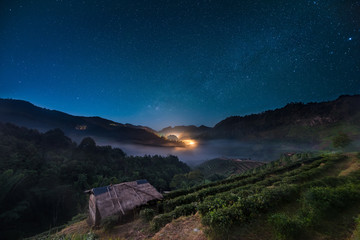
(50,233)
(356,233)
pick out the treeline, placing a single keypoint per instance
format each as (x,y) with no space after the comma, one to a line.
(43,176)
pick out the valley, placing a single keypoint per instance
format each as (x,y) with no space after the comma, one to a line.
(236,184)
(297,127)
(179,120)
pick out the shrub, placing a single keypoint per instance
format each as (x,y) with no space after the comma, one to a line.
(286,227)
(221,220)
(212,203)
(325,199)
(184,210)
(341,140)
(356,233)
(147,213)
(220,215)
(160,220)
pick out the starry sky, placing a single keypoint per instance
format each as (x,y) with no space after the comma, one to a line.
(159,63)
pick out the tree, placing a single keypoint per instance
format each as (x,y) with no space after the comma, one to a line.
(56,138)
(179,181)
(341,140)
(87,144)
(51,172)
(195,177)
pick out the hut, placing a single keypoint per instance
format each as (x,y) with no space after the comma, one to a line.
(121,199)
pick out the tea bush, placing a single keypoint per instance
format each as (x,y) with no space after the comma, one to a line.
(147,214)
(286,227)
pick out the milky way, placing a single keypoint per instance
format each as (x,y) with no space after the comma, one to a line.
(161,63)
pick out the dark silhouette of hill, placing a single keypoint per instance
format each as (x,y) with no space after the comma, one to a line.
(25,114)
(294,122)
(312,123)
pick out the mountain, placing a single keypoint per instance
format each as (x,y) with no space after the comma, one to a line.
(311,123)
(25,114)
(296,122)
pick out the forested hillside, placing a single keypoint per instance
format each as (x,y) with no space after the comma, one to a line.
(43,176)
(296,122)
(25,114)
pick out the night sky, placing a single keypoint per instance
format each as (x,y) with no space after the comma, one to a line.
(161,63)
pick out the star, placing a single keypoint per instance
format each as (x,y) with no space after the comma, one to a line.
(202,68)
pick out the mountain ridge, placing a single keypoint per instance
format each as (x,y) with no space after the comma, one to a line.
(24,113)
(295,122)
(290,122)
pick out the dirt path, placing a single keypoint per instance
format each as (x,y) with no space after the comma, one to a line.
(135,230)
(353,164)
(76,228)
(183,228)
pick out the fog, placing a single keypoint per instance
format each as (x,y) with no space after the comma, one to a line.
(206,150)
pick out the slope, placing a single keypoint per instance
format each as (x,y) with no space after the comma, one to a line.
(43,177)
(312,191)
(296,122)
(226,167)
(311,123)
(309,197)
(25,114)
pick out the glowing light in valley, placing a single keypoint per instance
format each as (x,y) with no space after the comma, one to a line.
(190,143)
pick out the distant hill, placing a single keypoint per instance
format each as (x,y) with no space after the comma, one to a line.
(296,122)
(311,123)
(226,166)
(25,114)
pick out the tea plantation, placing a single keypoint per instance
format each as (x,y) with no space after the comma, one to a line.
(304,196)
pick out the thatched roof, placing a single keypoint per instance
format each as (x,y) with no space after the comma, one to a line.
(123,197)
